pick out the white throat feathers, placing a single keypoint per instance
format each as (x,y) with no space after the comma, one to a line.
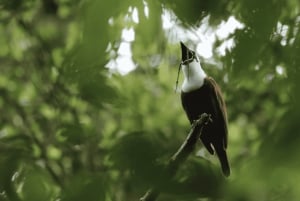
(193,76)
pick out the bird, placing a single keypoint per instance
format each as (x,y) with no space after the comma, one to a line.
(201,94)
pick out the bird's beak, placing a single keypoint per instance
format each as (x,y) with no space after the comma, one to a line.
(184,52)
(186,55)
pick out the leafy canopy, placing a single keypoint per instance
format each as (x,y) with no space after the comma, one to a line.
(73,129)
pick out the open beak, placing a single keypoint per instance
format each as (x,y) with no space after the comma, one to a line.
(184,52)
(184,57)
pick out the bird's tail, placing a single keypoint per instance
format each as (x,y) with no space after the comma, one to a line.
(222,155)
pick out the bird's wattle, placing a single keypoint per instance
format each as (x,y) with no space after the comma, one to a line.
(193,76)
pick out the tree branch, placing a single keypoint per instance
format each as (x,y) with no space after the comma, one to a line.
(182,153)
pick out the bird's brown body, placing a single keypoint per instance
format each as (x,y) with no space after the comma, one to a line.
(208,99)
(201,94)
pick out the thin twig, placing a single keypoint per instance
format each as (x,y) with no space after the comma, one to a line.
(182,153)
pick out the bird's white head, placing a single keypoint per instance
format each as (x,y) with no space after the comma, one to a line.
(193,73)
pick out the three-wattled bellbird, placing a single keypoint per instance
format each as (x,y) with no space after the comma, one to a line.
(201,94)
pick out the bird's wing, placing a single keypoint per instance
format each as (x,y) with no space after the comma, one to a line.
(220,107)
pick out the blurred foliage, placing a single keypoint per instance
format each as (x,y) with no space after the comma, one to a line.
(72,129)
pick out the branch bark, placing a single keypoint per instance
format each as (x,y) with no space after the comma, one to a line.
(182,153)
